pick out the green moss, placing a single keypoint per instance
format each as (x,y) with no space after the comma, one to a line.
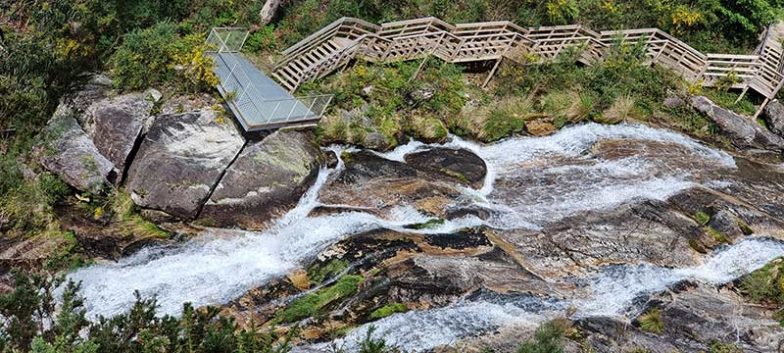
(652,321)
(765,285)
(455,174)
(318,273)
(745,228)
(697,246)
(430,224)
(716,235)
(720,347)
(702,218)
(388,310)
(312,304)
(128,220)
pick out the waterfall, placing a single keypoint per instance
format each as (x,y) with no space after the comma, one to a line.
(530,181)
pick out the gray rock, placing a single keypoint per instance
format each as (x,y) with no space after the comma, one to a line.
(115,124)
(673,101)
(774,117)
(267,179)
(180,160)
(460,165)
(98,87)
(71,154)
(422,94)
(744,132)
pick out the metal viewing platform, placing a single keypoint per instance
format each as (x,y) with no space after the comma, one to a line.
(257,101)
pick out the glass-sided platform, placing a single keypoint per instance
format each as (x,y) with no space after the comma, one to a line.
(257,101)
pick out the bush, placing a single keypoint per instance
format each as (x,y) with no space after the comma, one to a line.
(261,40)
(548,338)
(651,321)
(158,55)
(34,325)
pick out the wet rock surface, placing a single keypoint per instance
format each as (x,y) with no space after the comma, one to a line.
(71,154)
(266,180)
(180,160)
(397,241)
(458,164)
(744,132)
(774,117)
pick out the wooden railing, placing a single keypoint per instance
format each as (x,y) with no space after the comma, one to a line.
(419,38)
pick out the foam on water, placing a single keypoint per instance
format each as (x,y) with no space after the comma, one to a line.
(216,269)
(611,293)
(416,331)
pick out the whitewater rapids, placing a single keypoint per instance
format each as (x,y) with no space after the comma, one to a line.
(563,174)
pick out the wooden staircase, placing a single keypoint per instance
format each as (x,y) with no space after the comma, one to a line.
(308,64)
(348,38)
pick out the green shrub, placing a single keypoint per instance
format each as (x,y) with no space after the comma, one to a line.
(548,338)
(158,55)
(31,305)
(261,40)
(144,58)
(652,321)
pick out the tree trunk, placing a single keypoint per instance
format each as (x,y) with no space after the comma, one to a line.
(268,11)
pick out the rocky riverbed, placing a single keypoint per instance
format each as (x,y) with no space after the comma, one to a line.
(453,244)
(475,245)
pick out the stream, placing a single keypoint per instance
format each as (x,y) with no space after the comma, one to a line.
(531,182)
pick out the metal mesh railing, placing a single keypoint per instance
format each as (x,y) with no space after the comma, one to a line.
(250,100)
(227,39)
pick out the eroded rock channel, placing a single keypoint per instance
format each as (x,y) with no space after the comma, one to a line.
(458,242)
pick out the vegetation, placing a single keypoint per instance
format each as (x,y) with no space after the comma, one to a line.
(387,310)
(311,304)
(34,325)
(652,321)
(50,45)
(766,286)
(548,338)
(319,273)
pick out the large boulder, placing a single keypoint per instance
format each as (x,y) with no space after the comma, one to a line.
(98,87)
(115,124)
(774,117)
(72,155)
(744,132)
(267,179)
(180,160)
(458,164)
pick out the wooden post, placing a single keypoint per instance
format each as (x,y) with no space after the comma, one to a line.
(759,111)
(742,93)
(492,72)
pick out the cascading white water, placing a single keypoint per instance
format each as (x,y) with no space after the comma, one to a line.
(611,293)
(215,270)
(561,177)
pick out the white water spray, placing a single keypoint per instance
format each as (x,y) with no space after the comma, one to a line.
(523,185)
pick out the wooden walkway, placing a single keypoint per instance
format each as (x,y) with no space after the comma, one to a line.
(349,38)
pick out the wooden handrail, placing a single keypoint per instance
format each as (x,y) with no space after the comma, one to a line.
(763,72)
